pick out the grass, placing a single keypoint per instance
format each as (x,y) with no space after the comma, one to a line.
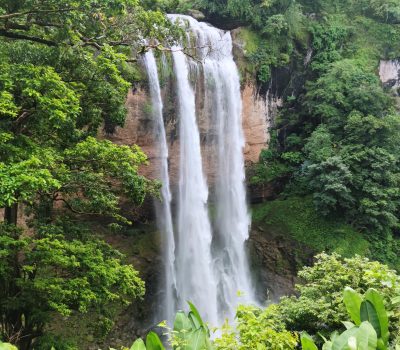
(297,218)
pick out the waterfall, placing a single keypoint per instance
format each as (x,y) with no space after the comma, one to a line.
(205,264)
(163,208)
(233,220)
(194,265)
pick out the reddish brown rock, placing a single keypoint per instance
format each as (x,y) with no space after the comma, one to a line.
(138,129)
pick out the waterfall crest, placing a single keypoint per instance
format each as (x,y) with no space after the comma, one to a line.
(206,264)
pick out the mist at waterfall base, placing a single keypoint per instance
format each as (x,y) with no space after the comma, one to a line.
(204,263)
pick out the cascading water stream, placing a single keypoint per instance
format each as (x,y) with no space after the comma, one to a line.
(222,86)
(163,208)
(205,268)
(232,221)
(194,265)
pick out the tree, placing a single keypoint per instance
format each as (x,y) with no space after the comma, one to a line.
(346,87)
(65,71)
(82,24)
(53,271)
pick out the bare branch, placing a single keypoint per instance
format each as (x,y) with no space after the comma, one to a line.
(12,35)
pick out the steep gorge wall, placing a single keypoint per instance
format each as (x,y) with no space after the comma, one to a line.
(138,130)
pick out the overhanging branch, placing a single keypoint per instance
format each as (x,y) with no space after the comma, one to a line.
(18,36)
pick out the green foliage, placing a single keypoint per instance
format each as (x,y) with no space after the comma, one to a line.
(343,122)
(327,42)
(7,346)
(370,329)
(89,23)
(307,343)
(347,86)
(169,6)
(363,338)
(297,218)
(280,25)
(273,166)
(319,306)
(61,273)
(257,329)
(66,68)
(189,333)
(49,341)
(330,181)
(351,160)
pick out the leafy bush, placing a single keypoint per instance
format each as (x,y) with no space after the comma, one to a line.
(189,333)
(257,329)
(319,306)
(370,329)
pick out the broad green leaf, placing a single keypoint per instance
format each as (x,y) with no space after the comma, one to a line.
(138,345)
(194,321)
(377,300)
(368,313)
(348,324)
(182,322)
(342,340)
(353,301)
(381,345)
(153,342)
(307,343)
(395,300)
(197,339)
(196,314)
(327,345)
(366,337)
(7,346)
(352,343)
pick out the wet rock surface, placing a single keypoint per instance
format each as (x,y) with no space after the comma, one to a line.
(275,261)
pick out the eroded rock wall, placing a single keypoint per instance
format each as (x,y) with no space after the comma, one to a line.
(139,129)
(389,73)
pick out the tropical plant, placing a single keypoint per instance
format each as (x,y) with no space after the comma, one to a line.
(257,328)
(7,346)
(319,305)
(189,333)
(153,342)
(370,329)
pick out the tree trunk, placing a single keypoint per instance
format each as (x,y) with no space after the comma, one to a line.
(11,214)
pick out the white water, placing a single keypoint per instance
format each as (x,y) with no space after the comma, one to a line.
(233,220)
(194,267)
(206,268)
(163,208)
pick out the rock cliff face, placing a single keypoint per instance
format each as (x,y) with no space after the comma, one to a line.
(257,116)
(389,73)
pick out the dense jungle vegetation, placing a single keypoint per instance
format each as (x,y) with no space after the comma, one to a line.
(65,70)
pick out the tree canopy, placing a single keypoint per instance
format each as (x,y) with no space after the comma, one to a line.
(66,68)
